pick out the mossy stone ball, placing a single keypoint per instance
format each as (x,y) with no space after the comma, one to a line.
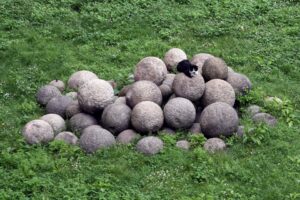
(219,119)
(79,78)
(46,93)
(127,136)
(150,145)
(38,131)
(80,121)
(214,68)
(173,57)
(58,105)
(240,83)
(59,84)
(265,118)
(67,137)
(57,123)
(199,60)
(151,69)
(214,145)
(179,113)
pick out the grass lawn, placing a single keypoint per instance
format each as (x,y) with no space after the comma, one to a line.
(45,40)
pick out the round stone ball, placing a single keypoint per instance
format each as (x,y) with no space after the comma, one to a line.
(264,118)
(199,60)
(219,119)
(116,118)
(195,129)
(80,121)
(214,68)
(189,88)
(46,93)
(73,95)
(94,138)
(179,113)
(67,137)
(253,109)
(218,90)
(120,100)
(59,84)
(127,136)
(79,78)
(95,95)
(58,105)
(151,69)
(173,57)
(240,83)
(143,91)
(38,131)
(169,80)
(147,117)
(150,145)
(57,122)
(183,144)
(73,109)
(166,91)
(214,145)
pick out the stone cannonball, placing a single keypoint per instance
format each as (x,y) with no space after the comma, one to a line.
(80,121)
(95,95)
(150,145)
(67,137)
(73,95)
(240,83)
(94,137)
(56,121)
(79,78)
(120,100)
(214,68)
(46,93)
(189,88)
(214,145)
(143,91)
(218,90)
(147,117)
(264,118)
(199,60)
(166,91)
(183,144)
(116,118)
(58,105)
(73,109)
(38,131)
(169,80)
(173,57)
(219,119)
(59,84)
(127,136)
(179,113)
(151,69)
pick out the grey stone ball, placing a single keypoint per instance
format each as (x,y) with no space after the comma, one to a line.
(167,130)
(58,105)
(59,84)
(214,68)
(240,83)
(73,95)
(46,93)
(264,118)
(195,129)
(79,78)
(150,145)
(214,145)
(189,88)
(95,95)
(94,137)
(127,136)
(218,90)
(253,109)
(147,117)
(124,90)
(173,57)
(116,118)
(120,100)
(38,131)
(219,119)
(166,91)
(57,123)
(151,69)
(183,144)
(143,91)
(199,60)
(80,121)
(67,137)
(73,109)
(169,80)
(179,113)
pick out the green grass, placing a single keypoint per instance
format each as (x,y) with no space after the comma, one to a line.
(45,40)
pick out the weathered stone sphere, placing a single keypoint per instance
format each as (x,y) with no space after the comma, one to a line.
(80,121)
(59,84)
(58,105)
(57,123)
(127,136)
(169,80)
(214,145)
(151,69)
(189,88)
(195,129)
(147,117)
(73,95)
(173,57)
(143,91)
(67,137)
(199,60)
(95,95)
(73,109)
(217,90)
(214,68)
(240,83)
(116,118)
(46,93)
(183,144)
(264,118)
(150,145)
(253,109)
(219,119)
(120,100)
(166,91)
(94,138)
(79,78)
(179,113)
(38,131)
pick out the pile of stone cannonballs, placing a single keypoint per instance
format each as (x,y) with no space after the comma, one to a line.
(159,100)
